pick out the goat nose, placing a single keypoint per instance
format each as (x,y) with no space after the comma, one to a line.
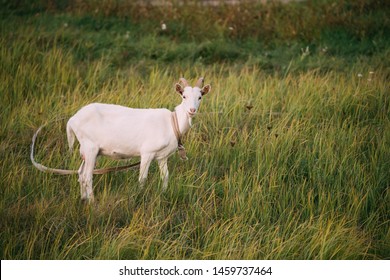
(192,110)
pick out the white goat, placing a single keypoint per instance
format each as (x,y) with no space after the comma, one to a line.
(121,132)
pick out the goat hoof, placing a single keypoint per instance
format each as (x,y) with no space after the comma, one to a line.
(88,201)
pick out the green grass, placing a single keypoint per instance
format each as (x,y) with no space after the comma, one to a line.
(289,155)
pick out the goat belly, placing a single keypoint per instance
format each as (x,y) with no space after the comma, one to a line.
(114,154)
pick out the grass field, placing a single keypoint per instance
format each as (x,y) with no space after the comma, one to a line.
(289,155)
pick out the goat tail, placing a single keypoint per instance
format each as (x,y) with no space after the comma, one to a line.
(70,135)
(42,167)
(71,139)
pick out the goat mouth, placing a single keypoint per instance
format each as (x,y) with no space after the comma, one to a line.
(191,114)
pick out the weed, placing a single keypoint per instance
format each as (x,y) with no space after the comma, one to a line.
(289,155)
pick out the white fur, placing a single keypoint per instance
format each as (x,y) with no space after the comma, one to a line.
(120,132)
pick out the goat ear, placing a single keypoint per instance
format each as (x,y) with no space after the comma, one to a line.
(179,88)
(206,89)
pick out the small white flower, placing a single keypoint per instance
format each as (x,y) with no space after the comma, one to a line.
(231,28)
(305,52)
(370,76)
(360,75)
(163,26)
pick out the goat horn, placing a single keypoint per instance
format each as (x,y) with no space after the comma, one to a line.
(200,82)
(184,82)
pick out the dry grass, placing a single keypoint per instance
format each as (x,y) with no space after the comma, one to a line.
(292,165)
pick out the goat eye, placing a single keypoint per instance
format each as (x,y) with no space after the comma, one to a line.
(200,97)
(184,97)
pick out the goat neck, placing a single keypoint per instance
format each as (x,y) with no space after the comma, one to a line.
(183,119)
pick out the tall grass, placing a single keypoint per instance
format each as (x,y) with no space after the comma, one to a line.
(286,165)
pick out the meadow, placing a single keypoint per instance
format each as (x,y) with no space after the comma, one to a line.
(289,156)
